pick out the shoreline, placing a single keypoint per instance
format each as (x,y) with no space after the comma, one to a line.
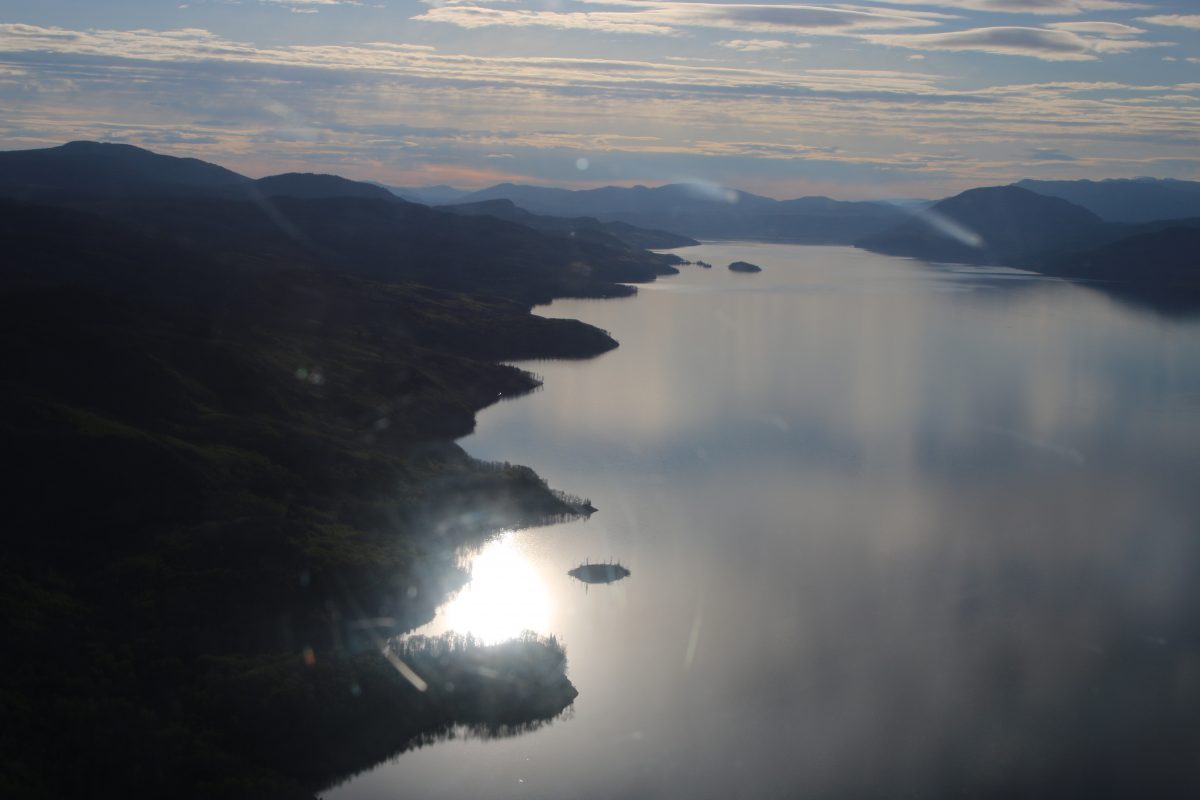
(285,477)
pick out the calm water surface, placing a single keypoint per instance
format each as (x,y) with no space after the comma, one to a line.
(895,529)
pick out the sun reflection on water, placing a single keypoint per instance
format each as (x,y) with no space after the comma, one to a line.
(506,595)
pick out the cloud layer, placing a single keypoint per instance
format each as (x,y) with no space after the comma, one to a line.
(1191,21)
(892,97)
(1074,40)
(1058,43)
(1039,7)
(673,18)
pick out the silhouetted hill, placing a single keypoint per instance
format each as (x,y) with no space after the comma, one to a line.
(394,241)
(104,171)
(310,185)
(323,222)
(705,211)
(109,171)
(624,233)
(648,238)
(1168,258)
(1003,225)
(1126,200)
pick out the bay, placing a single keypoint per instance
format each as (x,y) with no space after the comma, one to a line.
(894,528)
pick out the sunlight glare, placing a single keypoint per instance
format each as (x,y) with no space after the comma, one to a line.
(506,595)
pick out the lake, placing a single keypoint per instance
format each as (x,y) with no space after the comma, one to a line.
(894,529)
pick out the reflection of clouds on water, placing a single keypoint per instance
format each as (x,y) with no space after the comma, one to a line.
(947,536)
(1066,453)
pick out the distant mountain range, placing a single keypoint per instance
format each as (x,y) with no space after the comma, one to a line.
(329,223)
(706,211)
(1013,226)
(1004,225)
(1058,227)
(1126,199)
(429,195)
(575,226)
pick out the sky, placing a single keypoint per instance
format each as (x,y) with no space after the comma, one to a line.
(904,98)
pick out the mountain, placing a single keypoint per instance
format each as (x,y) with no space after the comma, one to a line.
(104,171)
(615,201)
(629,235)
(1126,200)
(233,405)
(310,185)
(705,211)
(1167,258)
(1002,225)
(395,241)
(192,436)
(109,171)
(429,195)
(321,222)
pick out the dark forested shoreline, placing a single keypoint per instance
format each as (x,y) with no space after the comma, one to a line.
(229,427)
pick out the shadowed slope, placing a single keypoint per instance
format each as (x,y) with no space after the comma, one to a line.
(1001,225)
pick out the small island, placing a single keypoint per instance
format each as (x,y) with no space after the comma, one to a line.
(744,266)
(599,573)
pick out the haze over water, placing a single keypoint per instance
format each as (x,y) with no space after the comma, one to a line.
(895,529)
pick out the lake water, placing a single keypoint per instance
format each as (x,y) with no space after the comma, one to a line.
(895,530)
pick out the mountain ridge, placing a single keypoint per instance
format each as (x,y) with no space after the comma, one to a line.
(1131,200)
(997,225)
(103,177)
(631,235)
(705,211)
(1012,226)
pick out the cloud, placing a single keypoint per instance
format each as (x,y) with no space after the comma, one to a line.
(755,45)
(1047,44)
(1174,20)
(198,44)
(377,109)
(420,62)
(1048,154)
(312,2)
(672,18)
(309,6)
(1110,30)
(605,22)
(772,150)
(1044,7)
(1057,41)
